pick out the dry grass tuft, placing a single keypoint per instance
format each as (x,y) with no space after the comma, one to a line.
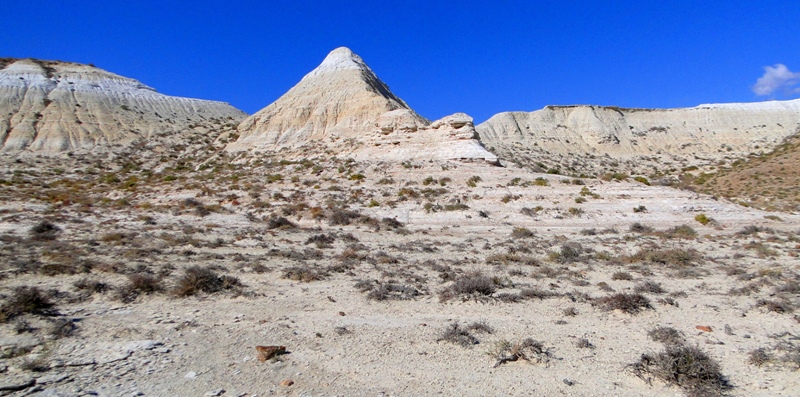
(628,303)
(197,279)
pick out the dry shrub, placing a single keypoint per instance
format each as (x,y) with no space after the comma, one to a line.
(137,285)
(683,231)
(56,269)
(522,232)
(759,357)
(666,335)
(674,257)
(776,305)
(197,279)
(340,216)
(380,291)
(527,349)
(473,284)
(26,300)
(62,328)
(622,276)
(628,303)
(509,258)
(480,326)
(640,228)
(536,293)
(303,273)
(391,223)
(279,222)
(687,367)
(569,252)
(90,285)
(454,333)
(650,287)
(751,230)
(44,231)
(321,240)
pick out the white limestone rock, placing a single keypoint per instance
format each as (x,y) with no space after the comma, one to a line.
(51,106)
(708,131)
(403,120)
(344,106)
(342,98)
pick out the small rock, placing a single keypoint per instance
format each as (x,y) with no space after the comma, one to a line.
(17,384)
(287,382)
(341,313)
(215,393)
(190,375)
(52,378)
(265,353)
(704,328)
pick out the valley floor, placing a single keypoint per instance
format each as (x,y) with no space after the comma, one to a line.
(414,279)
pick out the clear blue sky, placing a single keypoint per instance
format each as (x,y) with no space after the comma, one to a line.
(441,57)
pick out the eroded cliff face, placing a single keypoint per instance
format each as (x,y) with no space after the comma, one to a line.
(50,107)
(709,132)
(342,106)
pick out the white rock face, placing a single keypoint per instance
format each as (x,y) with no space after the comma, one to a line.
(50,107)
(708,131)
(450,138)
(343,105)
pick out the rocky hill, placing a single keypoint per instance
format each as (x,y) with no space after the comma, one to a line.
(51,106)
(770,181)
(703,135)
(343,106)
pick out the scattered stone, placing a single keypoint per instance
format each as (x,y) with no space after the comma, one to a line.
(704,328)
(190,375)
(265,353)
(215,393)
(80,354)
(341,313)
(14,345)
(287,382)
(52,378)
(16,384)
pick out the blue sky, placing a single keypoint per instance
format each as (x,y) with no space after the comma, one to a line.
(441,57)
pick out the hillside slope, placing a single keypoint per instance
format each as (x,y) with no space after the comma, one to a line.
(50,107)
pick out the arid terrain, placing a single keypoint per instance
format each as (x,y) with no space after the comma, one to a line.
(157,265)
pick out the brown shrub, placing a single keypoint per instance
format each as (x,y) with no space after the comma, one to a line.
(628,303)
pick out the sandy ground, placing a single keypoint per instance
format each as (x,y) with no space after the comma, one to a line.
(339,341)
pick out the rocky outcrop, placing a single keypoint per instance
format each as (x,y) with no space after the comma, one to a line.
(450,138)
(51,107)
(707,131)
(342,105)
(341,98)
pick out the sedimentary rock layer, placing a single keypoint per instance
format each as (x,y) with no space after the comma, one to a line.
(342,105)
(709,131)
(51,107)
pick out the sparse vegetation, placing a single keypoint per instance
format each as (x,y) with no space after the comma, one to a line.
(196,279)
(685,366)
(628,303)
(26,300)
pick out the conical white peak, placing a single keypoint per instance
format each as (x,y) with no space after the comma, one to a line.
(341,59)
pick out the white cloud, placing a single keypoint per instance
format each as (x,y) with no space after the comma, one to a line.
(776,78)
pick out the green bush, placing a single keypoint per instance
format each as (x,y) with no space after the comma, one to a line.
(703,219)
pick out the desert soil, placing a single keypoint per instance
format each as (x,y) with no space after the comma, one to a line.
(363,308)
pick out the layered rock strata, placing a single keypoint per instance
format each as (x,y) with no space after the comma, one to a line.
(342,105)
(707,131)
(50,107)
